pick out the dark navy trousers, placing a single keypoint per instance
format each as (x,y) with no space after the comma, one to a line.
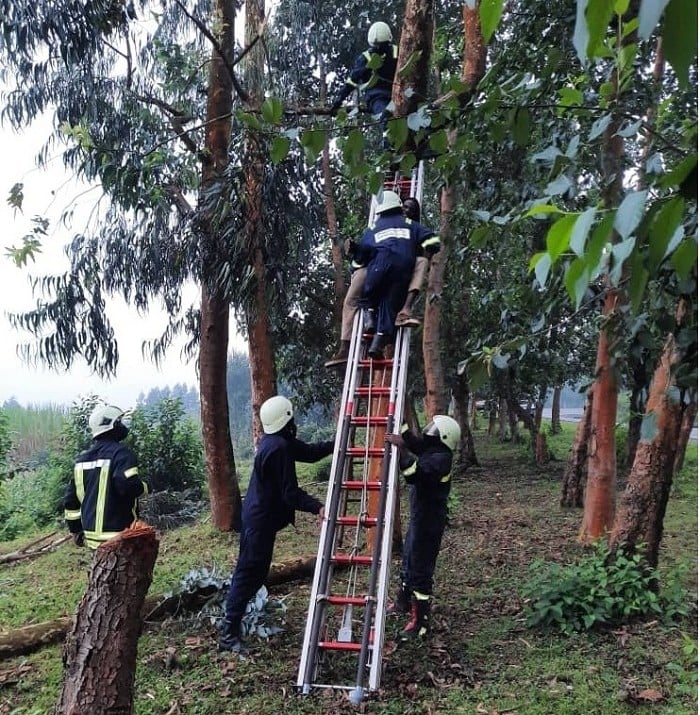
(254,559)
(386,285)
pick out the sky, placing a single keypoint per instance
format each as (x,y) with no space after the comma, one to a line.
(48,193)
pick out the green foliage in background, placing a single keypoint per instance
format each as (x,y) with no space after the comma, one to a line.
(602,589)
(168,445)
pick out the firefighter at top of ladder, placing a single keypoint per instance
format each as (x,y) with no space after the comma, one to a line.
(389,267)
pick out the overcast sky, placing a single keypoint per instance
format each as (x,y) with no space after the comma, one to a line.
(35,384)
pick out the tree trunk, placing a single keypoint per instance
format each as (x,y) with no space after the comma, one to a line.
(263,374)
(638,394)
(639,519)
(224,494)
(502,419)
(574,480)
(555,426)
(460,394)
(542,454)
(100,651)
(690,411)
(416,37)
(599,502)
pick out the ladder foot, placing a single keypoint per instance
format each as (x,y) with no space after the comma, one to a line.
(357,695)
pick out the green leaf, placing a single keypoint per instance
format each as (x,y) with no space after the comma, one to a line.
(313,141)
(490,12)
(599,126)
(419,119)
(649,15)
(630,213)
(479,235)
(521,127)
(540,209)
(354,147)
(376,182)
(620,252)
(679,173)
(542,268)
(478,374)
(594,249)
(582,227)
(410,62)
(272,110)
(685,257)
(279,149)
(598,15)
(559,235)
(250,120)
(639,278)
(569,96)
(439,141)
(397,132)
(665,223)
(680,36)
(576,280)
(581,34)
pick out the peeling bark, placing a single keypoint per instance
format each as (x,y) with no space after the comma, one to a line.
(574,479)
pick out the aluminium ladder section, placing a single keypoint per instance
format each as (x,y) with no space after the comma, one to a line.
(317,644)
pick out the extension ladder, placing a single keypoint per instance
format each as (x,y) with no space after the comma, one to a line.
(342,650)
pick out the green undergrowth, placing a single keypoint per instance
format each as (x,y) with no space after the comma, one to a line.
(481,658)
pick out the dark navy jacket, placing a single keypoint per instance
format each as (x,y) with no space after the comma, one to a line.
(102,497)
(375,82)
(430,471)
(274,493)
(397,235)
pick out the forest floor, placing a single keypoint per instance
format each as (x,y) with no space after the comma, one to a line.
(481,657)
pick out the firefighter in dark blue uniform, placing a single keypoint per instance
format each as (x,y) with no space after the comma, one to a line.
(389,250)
(426,463)
(270,503)
(373,73)
(102,497)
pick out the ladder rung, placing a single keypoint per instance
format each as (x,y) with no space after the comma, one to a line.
(372,391)
(346,600)
(357,521)
(339,645)
(346,559)
(383,362)
(362,451)
(355,485)
(363,421)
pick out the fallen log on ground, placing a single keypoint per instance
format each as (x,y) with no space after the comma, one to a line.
(27,639)
(43,545)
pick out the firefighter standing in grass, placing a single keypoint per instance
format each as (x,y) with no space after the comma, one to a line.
(270,503)
(426,463)
(102,497)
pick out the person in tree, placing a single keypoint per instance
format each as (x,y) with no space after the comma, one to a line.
(426,462)
(373,73)
(353,296)
(102,497)
(389,249)
(270,503)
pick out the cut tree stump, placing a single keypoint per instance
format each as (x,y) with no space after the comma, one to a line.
(27,639)
(99,655)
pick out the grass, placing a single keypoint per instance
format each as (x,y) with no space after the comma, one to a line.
(481,657)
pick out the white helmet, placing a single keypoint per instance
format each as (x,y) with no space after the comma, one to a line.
(104,418)
(446,428)
(379,32)
(389,200)
(275,413)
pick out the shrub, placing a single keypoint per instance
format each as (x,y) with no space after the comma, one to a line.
(601,589)
(168,446)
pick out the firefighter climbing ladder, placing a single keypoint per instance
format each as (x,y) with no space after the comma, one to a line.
(342,650)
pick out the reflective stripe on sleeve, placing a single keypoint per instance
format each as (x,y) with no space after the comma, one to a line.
(410,470)
(430,241)
(131,472)
(71,514)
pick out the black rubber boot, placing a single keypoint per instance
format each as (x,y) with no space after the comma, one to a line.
(229,637)
(376,349)
(402,602)
(370,321)
(341,357)
(418,625)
